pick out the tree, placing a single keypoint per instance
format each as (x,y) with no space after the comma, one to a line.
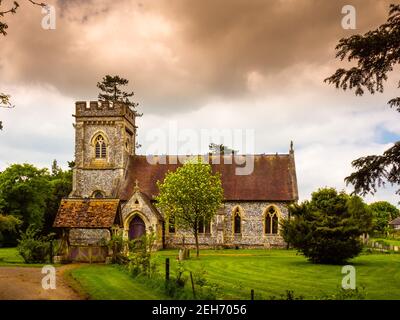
(24,191)
(220,149)
(327,229)
(383,212)
(8,224)
(110,91)
(377,53)
(191,196)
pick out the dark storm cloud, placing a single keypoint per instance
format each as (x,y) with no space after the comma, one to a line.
(177,54)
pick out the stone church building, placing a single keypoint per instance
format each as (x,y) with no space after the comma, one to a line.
(114,188)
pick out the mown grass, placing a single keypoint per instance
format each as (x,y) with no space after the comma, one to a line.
(10,256)
(108,282)
(272,272)
(269,272)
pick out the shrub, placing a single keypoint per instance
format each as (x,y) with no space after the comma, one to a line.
(327,229)
(117,244)
(140,251)
(34,248)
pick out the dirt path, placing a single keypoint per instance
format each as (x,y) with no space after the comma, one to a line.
(25,283)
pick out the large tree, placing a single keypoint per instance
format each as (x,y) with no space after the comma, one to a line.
(191,196)
(327,229)
(8,227)
(383,212)
(33,195)
(111,90)
(376,53)
(24,190)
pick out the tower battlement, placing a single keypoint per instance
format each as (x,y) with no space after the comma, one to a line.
(103,109)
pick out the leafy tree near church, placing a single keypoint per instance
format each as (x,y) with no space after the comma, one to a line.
(23,194)
(383,212)
(110,87)
(327,228)
(191,196)
(31,196)
(8,225)
(376,53)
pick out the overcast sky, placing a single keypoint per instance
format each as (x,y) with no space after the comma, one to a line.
(204,64)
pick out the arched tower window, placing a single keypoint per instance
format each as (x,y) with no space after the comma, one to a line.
(101,148)
(271,221)
(237,221)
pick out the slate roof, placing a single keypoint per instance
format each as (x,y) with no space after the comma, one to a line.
(88,213)
(273,178)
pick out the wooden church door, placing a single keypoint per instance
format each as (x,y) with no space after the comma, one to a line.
(137,228)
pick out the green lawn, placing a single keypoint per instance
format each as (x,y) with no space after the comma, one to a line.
(108,282)
(268,272)
(271,272)
(10,256)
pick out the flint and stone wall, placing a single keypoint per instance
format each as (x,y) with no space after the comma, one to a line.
(88,237)
(252,228)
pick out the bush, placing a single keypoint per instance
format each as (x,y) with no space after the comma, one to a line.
(117,244)
(34,248)
(140,251)
(327,229)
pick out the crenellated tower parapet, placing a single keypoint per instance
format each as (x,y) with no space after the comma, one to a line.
(104,109)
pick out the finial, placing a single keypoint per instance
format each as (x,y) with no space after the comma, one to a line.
(136,185)
(291,146)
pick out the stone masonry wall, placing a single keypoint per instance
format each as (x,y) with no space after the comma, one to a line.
(252,228)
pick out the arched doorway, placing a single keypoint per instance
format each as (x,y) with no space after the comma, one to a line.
(137,228)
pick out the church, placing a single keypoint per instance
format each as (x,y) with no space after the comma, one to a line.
(114,189)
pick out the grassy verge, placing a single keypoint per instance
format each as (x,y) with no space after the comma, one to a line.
(269,272)
(9,257)
(272,272)
(108,282)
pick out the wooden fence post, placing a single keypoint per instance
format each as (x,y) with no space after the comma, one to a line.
(167,269)
(51,251)
(191,279)
(252,294)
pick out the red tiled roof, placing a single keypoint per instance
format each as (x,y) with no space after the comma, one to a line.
(88,213)
(273,178)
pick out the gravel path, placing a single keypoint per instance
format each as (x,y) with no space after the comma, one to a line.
(25,283)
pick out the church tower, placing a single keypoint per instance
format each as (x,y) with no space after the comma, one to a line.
(104,140)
